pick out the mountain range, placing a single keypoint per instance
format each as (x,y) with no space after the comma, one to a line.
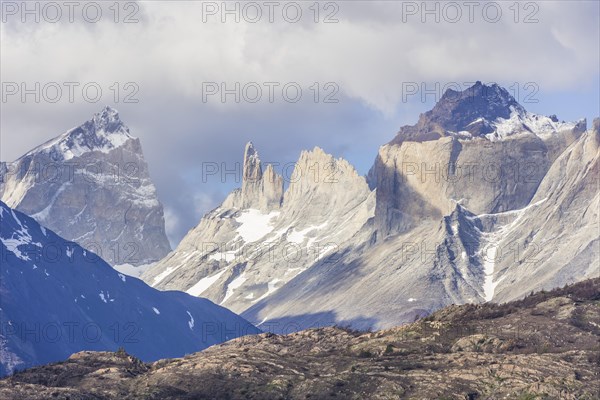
(479,201)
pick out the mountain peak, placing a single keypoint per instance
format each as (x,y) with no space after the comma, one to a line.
(252,165)
(108,120)
(480,110)
(479,95)
(474,108)
(259,190)
(73,201)
(103,132)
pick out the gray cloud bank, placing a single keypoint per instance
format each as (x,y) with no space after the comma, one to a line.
(371,54)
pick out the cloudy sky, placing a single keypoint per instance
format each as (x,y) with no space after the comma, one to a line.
(365,58)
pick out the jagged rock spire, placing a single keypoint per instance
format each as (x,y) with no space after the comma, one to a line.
(262,191)
(107,120)
(252,169)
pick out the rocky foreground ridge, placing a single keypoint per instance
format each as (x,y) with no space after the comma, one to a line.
(545,346)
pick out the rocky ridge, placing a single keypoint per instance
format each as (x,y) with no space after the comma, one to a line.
(58,298)
(544,346)
(261,238)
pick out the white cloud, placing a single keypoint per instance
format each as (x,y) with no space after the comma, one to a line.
(171,49)
(369,53)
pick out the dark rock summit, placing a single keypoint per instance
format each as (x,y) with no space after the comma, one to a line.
(474,112)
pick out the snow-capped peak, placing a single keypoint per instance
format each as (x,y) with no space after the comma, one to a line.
(91,158)
(108,120)
(103,132)
(481,111)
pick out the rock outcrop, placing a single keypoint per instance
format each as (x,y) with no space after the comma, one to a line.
(556,238)
(544,346)
(480,111)
(262,191)
(479,148)
(457,220)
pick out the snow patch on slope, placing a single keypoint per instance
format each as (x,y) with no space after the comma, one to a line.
(226,256)
(298,237)
(254,224)
(132,270)
(163,275)
(20,237)
(191,321)
(235,284)
(271,288)
(489,261)
(490,251)
(204,284)
(520,121)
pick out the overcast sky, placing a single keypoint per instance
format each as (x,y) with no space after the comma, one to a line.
(369,56)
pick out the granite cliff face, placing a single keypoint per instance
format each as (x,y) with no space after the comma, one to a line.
(451,214)
(436,241)
(260,190)
(258,240)
(556,239)
(91,185)
(479,148)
